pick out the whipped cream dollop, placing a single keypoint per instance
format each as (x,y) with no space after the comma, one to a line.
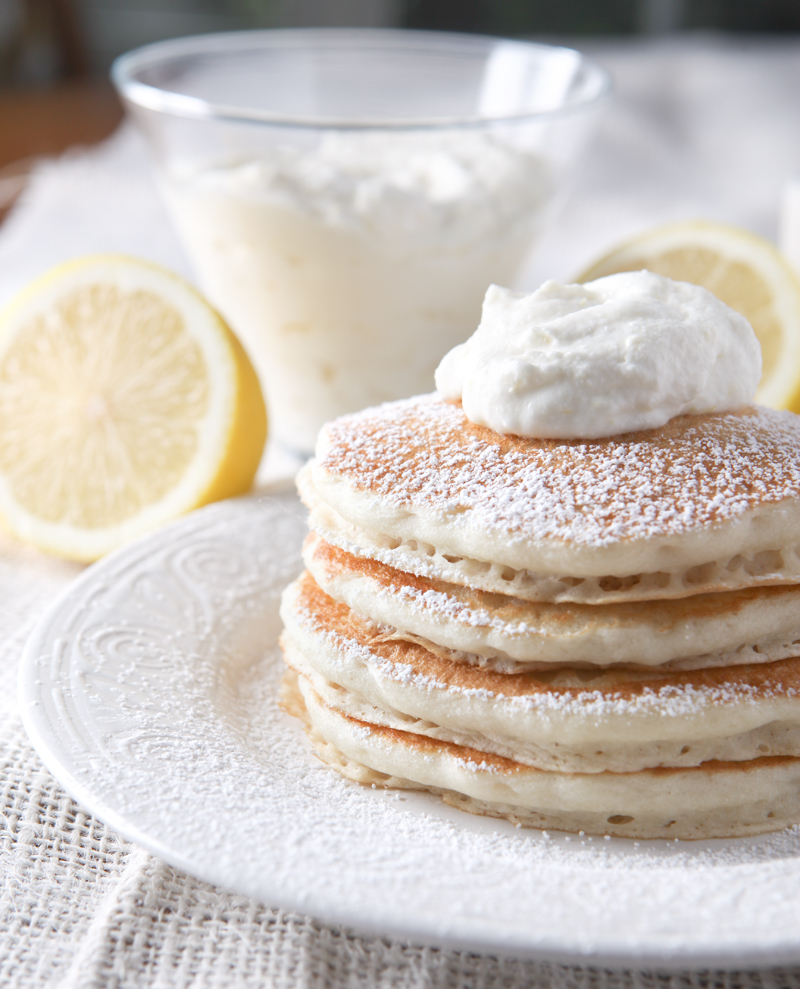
(625,352)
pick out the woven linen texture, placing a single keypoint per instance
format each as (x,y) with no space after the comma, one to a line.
(81,909)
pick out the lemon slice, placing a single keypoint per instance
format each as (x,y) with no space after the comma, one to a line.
(125,400)
(746,272)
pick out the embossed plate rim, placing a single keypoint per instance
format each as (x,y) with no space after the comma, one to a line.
(695,907)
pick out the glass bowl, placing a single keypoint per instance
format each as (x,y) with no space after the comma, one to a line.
(347,196)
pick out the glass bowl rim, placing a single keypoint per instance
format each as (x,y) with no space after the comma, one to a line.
(165,101)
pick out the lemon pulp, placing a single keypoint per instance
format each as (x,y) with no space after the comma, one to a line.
(124,400)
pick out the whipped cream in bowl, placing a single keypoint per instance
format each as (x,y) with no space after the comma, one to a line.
(626,352)
(350,267)
(347,196)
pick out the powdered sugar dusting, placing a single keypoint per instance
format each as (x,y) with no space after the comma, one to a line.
(231,792)
(424,455)
(449,606)
(679,698)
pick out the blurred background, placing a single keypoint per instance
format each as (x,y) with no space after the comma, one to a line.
(55,54)
(46,42)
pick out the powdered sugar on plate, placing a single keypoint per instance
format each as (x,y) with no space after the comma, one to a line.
(150,689)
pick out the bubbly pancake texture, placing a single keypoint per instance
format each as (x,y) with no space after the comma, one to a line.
(753,625)
(697,490)
(764,568)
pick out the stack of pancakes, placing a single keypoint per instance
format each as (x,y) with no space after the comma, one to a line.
(598,636)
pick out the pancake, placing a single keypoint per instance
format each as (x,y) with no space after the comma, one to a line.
(717,799)
(707,491)
(765,568)
(589,635)
(568,720)
(746,626)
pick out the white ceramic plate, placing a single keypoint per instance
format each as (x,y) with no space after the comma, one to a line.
(150,691)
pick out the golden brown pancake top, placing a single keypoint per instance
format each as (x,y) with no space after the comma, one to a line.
(424,455)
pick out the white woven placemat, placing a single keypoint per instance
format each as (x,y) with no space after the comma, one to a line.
(701,128)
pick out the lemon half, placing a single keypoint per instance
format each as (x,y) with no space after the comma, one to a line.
(125,400)
(743,270)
